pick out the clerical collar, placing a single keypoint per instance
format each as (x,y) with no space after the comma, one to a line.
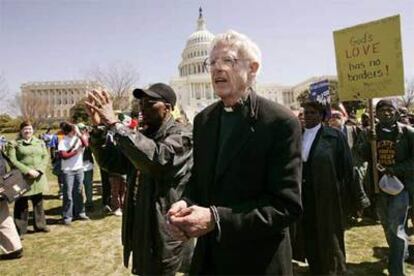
(228,109)
(242,101)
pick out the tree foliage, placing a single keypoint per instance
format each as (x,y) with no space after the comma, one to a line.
(78,112)
(9,124)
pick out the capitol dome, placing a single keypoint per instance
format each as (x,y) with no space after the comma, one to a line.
(196,49)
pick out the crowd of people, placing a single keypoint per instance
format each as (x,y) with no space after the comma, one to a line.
(68,153)
(248,188)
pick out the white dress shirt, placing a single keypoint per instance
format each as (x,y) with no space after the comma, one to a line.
(308,137)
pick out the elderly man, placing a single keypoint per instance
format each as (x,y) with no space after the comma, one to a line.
(244,191)
(158,165)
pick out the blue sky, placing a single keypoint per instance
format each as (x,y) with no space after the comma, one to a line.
(45,40)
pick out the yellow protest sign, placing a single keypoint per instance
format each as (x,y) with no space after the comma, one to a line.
(369,60)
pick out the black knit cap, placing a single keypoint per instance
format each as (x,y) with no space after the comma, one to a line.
(384,102)
(159,91)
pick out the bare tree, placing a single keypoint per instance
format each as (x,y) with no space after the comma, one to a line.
(408,99)
(8,99)
(119,79)
(33,107)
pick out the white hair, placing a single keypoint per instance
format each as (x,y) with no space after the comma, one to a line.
(245,46)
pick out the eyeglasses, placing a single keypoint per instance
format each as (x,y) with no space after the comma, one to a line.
(228,62)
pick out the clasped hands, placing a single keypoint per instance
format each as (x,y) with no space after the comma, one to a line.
(189,222)
(99,108)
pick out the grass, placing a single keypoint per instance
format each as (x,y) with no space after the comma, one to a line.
(94,247)
(83,248)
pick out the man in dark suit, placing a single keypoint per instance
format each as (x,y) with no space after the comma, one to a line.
(244,191)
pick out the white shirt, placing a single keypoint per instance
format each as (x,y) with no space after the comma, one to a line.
(308,137)
(75,162)
(87,166)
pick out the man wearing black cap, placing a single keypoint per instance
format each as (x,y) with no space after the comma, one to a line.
(158,163)
(395,155)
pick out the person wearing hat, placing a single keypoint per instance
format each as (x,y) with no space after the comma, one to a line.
(158,165)
(395,156)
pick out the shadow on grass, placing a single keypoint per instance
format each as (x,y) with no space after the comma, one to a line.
(367,268)
(50,197)
(95,214)
(363,268)
(53,221)
(362,223)
(371,268)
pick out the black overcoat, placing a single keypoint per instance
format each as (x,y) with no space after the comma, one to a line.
(256,188)
(330,175)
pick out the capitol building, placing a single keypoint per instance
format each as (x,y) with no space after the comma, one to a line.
(192,85)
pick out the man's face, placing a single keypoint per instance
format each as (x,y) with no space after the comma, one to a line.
(365,121)
(387,115)
(336,120)
(312,117)
(229,72)
(153,111)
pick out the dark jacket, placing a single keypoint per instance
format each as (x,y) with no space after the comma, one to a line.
(404,155)
(3,166)
(158,168)
(256,188)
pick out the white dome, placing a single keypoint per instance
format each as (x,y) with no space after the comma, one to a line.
(199,37)
(196,50)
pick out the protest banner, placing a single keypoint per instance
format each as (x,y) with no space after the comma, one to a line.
(369,60)
(319,92)
(369,64)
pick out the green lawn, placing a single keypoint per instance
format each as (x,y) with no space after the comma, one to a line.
(94,247)
(83,248)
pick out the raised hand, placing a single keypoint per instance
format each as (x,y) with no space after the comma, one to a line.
(95,118)
(102,104)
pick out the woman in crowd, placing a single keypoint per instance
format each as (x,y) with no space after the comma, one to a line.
(30,156)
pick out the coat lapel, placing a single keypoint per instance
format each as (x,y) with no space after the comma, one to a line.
(209,141)
(315,143)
